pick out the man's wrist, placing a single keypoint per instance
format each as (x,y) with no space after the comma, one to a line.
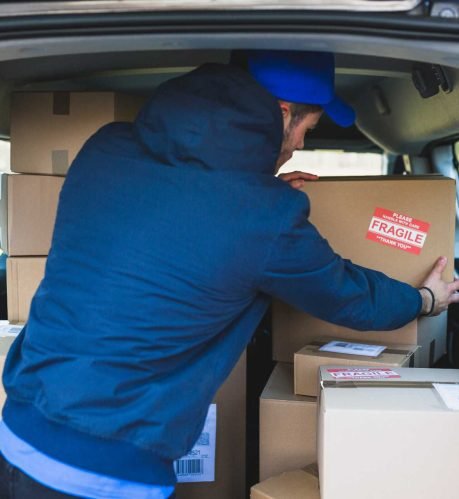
(428,301)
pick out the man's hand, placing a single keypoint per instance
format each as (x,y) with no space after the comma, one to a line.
(297,179)
(444,292)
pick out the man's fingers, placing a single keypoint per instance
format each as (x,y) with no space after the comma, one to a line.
(297,179)
(296,184)
(297,176)
(309,176)
(440,265)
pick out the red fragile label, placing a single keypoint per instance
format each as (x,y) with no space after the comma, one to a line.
(397,230)
(363,373)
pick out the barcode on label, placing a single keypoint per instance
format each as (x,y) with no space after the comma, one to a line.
(199,464)
(189,467)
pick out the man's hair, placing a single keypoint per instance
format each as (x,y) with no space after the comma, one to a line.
(299,111)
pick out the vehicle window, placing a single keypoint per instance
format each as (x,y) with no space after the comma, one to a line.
(336,163)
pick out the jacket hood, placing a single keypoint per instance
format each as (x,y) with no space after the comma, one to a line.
(216,117)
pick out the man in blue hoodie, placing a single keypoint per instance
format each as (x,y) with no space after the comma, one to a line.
(171,235)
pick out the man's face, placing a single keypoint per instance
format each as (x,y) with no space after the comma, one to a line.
(294,132)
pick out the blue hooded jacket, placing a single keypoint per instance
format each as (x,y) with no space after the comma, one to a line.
(171,235)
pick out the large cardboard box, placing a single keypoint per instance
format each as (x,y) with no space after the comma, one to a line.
(298,484)
(287,425)
(230,478)
(388,433)
(28,206)
(308,360)
(23,276)
(49,128)
(418,214)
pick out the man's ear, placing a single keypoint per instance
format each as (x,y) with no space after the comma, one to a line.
(286,113)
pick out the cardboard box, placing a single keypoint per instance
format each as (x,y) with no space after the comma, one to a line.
(49,128)
(298,484)
(308,360)
(287,425)
(344,210)
(391,436)
(230,478)
(5,344)
(28,206)
(23,276)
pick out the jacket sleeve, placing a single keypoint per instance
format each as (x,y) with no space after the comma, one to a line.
(302,269)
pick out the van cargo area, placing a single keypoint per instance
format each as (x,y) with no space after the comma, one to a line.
(310,409)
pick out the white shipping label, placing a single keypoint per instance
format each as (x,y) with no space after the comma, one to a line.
(362,373)
(449,395)
(353,348)
(199,464)
(7,329)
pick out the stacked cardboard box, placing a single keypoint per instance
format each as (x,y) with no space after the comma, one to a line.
(297,484)
(27,213)
(397,225)
(388,433)
(317,353)
(230,462)
(23,276)
(47,131)
(382,432)
(49,128)
(287,425)
(288,404)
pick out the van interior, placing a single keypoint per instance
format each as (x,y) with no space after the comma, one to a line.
(401,75)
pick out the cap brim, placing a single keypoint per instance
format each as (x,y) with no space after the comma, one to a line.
(341,113)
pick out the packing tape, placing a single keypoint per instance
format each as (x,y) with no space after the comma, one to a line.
(60,161)
(61,103)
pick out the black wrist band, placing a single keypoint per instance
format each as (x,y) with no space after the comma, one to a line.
(433,301)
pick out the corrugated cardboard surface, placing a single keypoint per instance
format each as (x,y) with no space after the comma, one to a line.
(287,425)
(230,459)
(298,484)
(28,208)
(342,210)
(293,329)
(388,441)
(23,275)
(310,358)
(49,128)
(5,344)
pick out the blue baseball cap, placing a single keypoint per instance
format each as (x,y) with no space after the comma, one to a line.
(302,78)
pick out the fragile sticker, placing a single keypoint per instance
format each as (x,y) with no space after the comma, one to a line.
(397,230)
(363,373)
